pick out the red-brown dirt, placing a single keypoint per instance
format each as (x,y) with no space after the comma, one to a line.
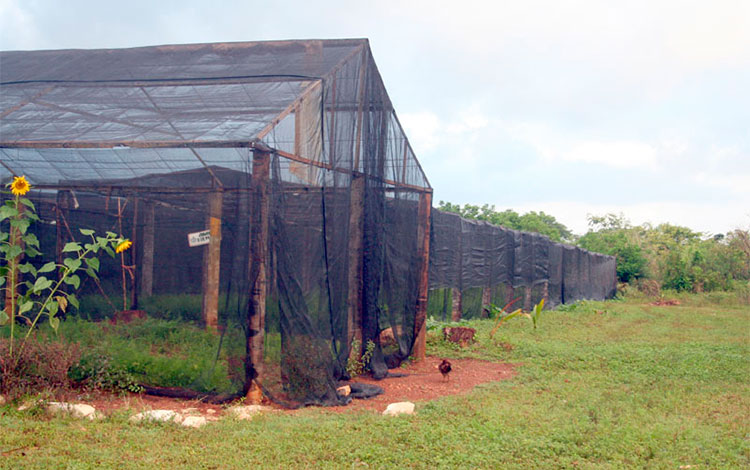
(422,381)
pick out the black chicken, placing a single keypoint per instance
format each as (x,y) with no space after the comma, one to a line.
(445,368)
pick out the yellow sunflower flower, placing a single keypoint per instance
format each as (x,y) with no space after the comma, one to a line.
(123,245)
(19,186)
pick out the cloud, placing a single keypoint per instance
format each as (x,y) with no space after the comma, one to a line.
(615,154)
(17,26)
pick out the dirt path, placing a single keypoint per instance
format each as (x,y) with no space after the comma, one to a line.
(422,381)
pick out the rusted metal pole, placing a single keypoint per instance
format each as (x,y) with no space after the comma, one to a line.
(354,276)
(258,273)
(213,263)
(423,252)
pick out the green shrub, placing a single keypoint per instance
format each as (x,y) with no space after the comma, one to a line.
(96,371)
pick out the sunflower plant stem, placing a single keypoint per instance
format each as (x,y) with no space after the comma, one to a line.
(52,293)
(13,264)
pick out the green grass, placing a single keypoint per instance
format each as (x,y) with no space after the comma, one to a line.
(603,385)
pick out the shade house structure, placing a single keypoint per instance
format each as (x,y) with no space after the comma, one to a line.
(268,188)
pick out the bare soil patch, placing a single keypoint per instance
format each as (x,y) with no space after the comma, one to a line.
(421,381)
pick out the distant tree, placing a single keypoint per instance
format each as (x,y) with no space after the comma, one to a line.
(678,257)
(612,234)
(538,222)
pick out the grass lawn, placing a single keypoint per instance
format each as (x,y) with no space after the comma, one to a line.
(619,384)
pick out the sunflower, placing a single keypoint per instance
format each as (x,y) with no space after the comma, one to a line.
(19,186)
(123,245)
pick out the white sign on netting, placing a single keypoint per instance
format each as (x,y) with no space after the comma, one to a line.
(199,238)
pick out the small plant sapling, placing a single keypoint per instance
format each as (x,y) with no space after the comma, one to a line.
(502,314)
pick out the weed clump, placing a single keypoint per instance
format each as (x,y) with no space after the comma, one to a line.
(40,366)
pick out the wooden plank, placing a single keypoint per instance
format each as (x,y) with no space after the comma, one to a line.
(423,252)
(258,272)
(213,263)
(147,261)
(354,276)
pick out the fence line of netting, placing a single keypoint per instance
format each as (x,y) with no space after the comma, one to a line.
(474,263)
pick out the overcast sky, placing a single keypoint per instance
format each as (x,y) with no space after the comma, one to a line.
(570,107)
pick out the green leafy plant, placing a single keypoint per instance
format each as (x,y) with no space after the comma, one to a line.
(502,314)
(355,366)
(96,371)
(40,296)
(536,313)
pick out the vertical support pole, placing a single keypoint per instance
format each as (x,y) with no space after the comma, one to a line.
(511,294)
(213,263)
(354,276)
(545,292)
(457,308)
(423,252)
(486,300)
(62,203)
(134,257)
(527,298)
(258,276)
(147,261)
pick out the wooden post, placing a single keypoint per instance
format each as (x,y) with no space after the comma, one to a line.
(60,240)
(511,294)
(545,292)
(147,261)
(486,301)
(456,304)
(258,273)
(354,276)
(423,252)
(134,258)
(213,263)
(527,298)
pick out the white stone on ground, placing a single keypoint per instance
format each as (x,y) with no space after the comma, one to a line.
(247,411)
(194,421)
(404,407)
(157,415)
(78,410)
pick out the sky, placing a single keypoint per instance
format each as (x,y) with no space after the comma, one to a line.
(574,108)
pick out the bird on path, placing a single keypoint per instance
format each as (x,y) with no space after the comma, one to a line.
(445,368)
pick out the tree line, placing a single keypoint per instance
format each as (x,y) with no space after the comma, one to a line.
(677,257)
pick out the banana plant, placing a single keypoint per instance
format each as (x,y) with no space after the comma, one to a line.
(535,313)
(502,314)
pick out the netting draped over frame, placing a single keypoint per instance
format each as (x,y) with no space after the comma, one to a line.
(271,196)
(288,153)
